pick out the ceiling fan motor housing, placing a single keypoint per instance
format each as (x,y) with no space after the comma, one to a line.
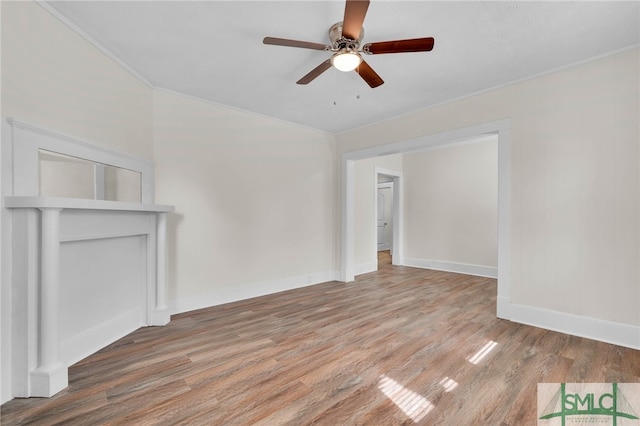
(339,42)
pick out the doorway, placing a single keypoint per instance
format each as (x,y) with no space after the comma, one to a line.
(388,213)
(502,129)
(384,213)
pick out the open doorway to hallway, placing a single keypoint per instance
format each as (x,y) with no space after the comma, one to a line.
(384,213)
(449,208)
(384,259)
(350,241)
(388,212)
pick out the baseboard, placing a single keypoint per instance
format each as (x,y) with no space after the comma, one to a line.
(576,325)
(365,268)
(502,307)
(80,346)
(460,268)
(250,290)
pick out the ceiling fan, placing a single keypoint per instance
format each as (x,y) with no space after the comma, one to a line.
(345,39)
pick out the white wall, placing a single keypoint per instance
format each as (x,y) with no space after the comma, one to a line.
(254,201)
(4,395)
(365,204)
(451,206)
(575,184)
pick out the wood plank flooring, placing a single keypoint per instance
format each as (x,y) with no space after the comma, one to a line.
(393,348)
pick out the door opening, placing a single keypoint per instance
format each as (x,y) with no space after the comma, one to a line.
(501,128)
(384,221)
(388,212)
(385,215)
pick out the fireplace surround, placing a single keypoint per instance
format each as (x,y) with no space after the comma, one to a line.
(79,273)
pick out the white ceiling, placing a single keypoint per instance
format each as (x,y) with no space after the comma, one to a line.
(213,50)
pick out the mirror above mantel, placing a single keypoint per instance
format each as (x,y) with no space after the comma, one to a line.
(65,176)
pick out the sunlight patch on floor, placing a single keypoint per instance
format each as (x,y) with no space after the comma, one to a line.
(448,384)
(479,356)
(414,405)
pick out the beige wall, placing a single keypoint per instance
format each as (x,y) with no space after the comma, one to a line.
(55,79)
(574,182)
(254,200)
(451,204)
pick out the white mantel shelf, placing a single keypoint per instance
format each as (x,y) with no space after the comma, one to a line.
(13,202)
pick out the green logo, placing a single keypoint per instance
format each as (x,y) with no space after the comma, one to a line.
(589,402)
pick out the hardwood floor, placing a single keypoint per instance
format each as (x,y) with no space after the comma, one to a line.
(398,346)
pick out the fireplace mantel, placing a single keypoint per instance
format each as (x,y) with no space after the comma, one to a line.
(41,226)
(79,272)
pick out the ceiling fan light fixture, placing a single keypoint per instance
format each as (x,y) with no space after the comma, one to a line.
(346,60)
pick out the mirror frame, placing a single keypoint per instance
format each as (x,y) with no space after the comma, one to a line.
(28,140)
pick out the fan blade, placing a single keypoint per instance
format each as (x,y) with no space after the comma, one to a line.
(399,46)
(315,72)
(354,13)
(295,43)
(369,75)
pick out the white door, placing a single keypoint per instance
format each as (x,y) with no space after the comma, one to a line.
(385,228)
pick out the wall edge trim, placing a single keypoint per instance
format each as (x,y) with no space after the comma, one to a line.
(365,268)
(456,267)
(250,290)
(92,340)
(611,332)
